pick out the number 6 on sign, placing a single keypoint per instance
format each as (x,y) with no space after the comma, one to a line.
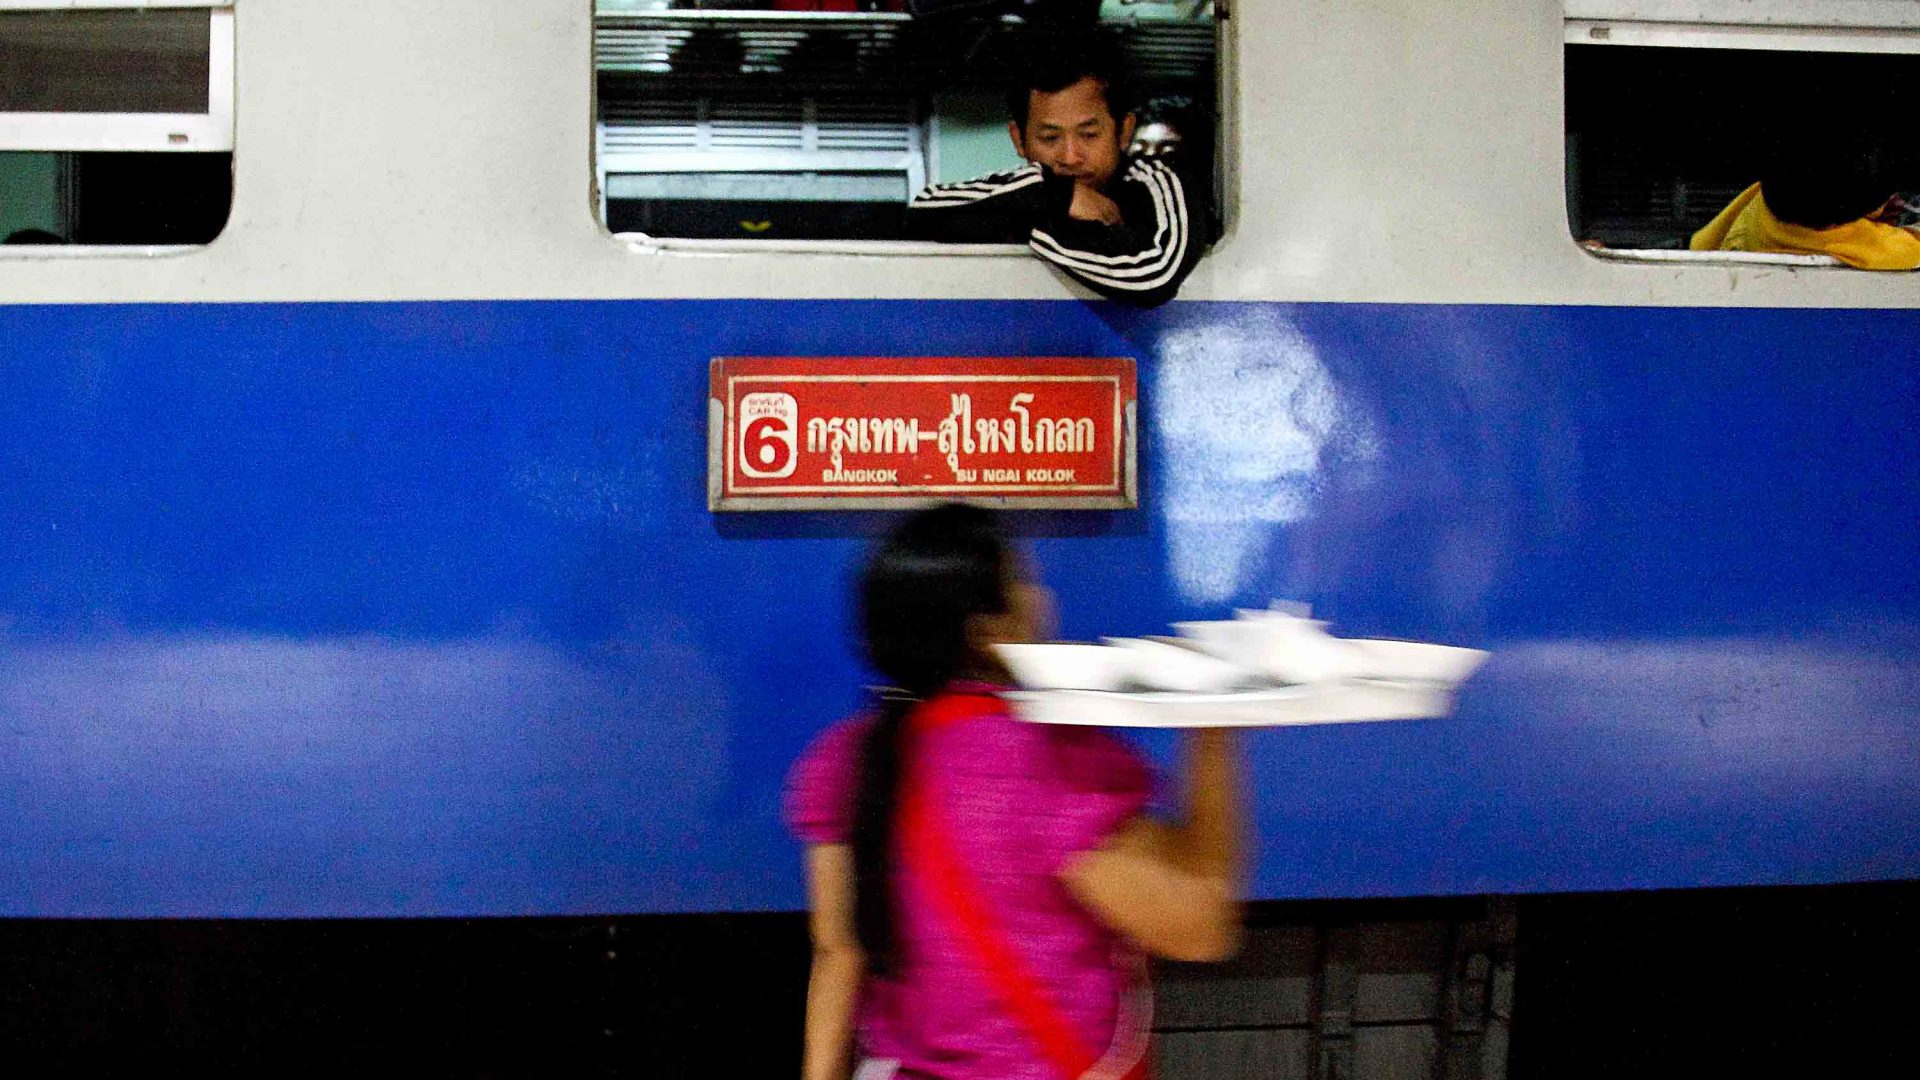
(768,426)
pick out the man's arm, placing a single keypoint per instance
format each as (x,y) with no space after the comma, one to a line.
(999,209)
(1140,261)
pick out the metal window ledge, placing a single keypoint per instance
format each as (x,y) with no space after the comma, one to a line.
(1832,14)
(659,245)
(98,251)
(1714,258)
(1779,38)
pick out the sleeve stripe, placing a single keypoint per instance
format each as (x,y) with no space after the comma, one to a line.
(971,191)
(985,183)
(1161,262)
(1169,200)
(1128,264)
(963,198)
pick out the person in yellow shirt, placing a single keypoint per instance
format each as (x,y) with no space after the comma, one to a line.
(1823,208)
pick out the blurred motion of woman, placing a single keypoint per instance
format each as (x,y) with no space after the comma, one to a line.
(983,891)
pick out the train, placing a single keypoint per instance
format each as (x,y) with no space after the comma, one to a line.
(359,561)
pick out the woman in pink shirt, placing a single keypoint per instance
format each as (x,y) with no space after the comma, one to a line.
(983,891)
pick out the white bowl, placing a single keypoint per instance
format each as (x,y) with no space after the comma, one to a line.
(1292,650)
(1278,609)
(1416,661)
(1073,666)
(1162,665)
(1235,642)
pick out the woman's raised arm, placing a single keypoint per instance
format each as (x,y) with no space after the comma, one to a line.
(1173,887)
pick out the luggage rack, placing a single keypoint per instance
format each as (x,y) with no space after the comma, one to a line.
(859,49)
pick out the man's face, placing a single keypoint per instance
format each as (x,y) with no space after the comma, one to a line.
(1071,132)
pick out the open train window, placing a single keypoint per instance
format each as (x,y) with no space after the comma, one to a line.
(1676,113)
(811,120)
(116,121)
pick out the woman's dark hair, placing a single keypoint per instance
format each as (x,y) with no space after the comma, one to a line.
(937,569)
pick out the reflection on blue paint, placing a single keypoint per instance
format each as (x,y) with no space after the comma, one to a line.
(1244,412)
(416,608)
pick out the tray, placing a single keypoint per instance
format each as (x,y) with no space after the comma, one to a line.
(1343,701)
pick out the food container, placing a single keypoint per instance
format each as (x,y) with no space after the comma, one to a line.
(1280,646)
(1168,665)
(1415,661)
(1069,666)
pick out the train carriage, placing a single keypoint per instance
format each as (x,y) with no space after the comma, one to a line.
(359,560)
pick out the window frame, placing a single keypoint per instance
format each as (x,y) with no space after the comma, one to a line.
(1868,27)
(1863,26)
(642,243)
(208,132)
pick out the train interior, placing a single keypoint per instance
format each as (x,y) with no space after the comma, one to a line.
(1660,139)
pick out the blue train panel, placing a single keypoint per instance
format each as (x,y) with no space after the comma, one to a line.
(416,609)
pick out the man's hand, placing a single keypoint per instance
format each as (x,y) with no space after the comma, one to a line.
(1090,205)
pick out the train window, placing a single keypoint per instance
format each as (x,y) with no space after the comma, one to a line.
(1677,112)
(818,120)
(116,121)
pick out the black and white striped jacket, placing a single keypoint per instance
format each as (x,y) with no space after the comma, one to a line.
(1141,261)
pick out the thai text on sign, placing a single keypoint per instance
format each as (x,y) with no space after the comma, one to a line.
(812,432)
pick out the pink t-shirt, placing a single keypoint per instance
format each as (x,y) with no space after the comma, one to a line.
(1018,801)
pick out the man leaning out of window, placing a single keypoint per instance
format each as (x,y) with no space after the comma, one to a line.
(1122,224)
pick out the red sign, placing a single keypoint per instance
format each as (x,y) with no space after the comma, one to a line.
(804,433)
